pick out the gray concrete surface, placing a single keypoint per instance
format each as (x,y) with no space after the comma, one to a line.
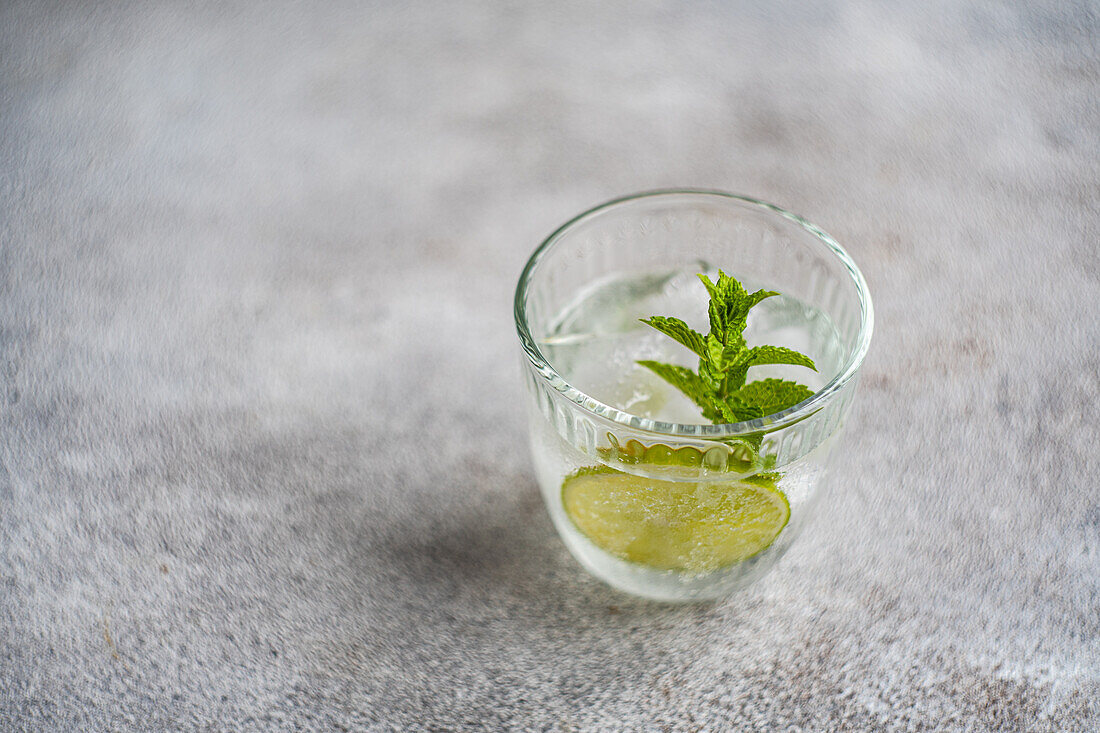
(262,463)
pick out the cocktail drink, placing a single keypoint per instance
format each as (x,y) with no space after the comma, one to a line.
(680,456)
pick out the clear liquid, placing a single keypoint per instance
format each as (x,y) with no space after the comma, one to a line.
(595,343)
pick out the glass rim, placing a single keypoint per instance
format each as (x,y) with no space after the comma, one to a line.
(766,423)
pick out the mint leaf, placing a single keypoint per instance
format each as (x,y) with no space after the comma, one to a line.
(727,303)
(773,395)
(733,380)
(678,330)
(760,295)
(778,355)
(719,386)
(735,351)
(686,381)
(736,410)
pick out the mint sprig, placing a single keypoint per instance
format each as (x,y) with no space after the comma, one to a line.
(719,387)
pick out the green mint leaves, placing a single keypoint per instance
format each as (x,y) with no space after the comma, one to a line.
(719,386)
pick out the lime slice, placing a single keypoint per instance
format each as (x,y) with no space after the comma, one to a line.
(675,525)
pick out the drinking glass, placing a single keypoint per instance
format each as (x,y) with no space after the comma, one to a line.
(637,470)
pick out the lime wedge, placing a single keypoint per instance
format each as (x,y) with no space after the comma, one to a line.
(675,525)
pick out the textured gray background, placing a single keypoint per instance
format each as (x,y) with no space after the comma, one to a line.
(262,462)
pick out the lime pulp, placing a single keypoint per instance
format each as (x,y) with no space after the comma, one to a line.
(675,525)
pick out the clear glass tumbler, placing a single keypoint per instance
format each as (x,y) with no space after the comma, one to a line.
(645,495)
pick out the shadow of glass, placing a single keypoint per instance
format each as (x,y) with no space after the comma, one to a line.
(502,550)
